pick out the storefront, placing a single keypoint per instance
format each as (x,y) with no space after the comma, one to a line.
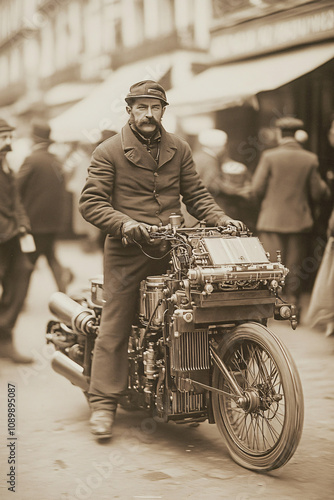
(264,68)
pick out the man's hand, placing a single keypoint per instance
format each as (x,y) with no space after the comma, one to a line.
(226,221)
(238,224)
(135,231)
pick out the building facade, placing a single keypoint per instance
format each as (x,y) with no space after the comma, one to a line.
(268,59)
(53,51)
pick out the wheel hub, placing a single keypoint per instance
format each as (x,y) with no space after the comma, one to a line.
(250,401)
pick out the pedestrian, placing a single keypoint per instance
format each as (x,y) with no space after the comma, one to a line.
(288,185)
(15,267)
(42,189)
(226,179)
(321,307)
(135,181)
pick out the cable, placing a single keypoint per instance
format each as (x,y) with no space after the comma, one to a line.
(151,256)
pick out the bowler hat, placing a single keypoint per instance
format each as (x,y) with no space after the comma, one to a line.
(41,131)
(147,88)
(5,127)
(289,123)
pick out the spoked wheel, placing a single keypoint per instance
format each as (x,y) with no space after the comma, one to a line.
(262,428)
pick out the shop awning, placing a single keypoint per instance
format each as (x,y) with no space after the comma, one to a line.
(235,83)
(104,106)
(67,93)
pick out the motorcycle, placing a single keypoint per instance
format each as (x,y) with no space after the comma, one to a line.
(200,348)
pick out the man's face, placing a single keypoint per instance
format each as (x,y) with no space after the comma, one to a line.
(5,143)
(145,114)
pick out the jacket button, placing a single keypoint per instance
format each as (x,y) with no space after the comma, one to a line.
(156,174)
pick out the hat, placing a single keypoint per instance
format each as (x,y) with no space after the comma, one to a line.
(5,127)
(289,123)
(147,88)
(234,173)
(41,131)
(212,138)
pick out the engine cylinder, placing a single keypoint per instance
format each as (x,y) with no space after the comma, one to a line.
(72,313)
(152,299)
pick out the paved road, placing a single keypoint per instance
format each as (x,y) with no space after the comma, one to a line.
(59,460)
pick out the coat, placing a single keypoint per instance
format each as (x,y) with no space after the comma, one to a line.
(12,214)
(288,183)
(124,182)
(42,191)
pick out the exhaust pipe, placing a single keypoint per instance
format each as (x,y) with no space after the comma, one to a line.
(69,369)
(72,313)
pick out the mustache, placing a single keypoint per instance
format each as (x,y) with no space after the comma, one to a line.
(151,121)
(6,148)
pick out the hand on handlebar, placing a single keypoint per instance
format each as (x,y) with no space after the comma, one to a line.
(133,231)
(238,224)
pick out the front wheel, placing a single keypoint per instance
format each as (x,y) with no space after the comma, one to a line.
(262,429)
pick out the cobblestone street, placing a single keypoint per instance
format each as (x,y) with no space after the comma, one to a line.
(58,459)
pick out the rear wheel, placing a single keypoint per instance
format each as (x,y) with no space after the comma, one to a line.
(262,429)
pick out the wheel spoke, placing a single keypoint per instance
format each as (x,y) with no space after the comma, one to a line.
(262,428)
(256,369)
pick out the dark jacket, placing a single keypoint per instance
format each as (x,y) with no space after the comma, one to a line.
(42,191)
(124,182)
(12,214)
(287,182)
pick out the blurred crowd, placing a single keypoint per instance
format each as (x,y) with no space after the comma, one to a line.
(281,202)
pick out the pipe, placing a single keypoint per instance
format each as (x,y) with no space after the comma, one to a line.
(72,313)
(70,370)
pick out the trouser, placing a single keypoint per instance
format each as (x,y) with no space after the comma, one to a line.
(15,271)
(124,268)
(45,245)
(294,249)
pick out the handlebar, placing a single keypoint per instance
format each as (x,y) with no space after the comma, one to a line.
(171,230)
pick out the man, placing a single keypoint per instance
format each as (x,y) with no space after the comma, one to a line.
(42,190)
(287,182)
(135,181)
(225,178)
(15,267)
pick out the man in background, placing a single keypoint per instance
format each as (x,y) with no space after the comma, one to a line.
(287,183)
(226,179)
(42,189)
(15,268)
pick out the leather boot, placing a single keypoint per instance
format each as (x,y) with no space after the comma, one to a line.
(101,423)
(8,351)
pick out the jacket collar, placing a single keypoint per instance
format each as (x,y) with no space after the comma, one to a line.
(136,153)
(289,142)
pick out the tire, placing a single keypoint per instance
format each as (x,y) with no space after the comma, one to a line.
(262,434)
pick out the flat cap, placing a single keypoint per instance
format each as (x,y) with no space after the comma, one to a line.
(5,127)
(147,88)
(289,123)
